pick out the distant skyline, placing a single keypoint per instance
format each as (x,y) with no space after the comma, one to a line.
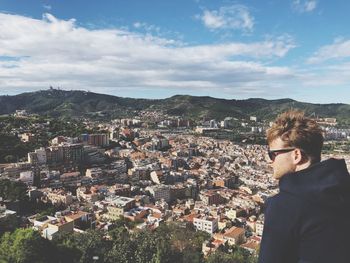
(271,49)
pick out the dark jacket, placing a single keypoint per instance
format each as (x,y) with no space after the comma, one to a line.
(309,219)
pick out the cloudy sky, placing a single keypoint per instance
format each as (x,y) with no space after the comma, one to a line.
(270,49)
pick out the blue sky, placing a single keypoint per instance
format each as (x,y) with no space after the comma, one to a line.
(273,49)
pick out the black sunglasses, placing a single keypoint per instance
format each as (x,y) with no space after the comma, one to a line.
(273,153)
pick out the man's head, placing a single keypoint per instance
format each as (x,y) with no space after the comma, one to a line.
(295,142)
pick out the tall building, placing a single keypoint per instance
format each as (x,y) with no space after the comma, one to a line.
(159,143)
(213,124)
(160,192)
(100,140)
(211,198)
(54,154)
(72,153)
(114,134)
(37,157)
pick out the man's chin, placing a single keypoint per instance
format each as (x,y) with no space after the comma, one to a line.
(277,176)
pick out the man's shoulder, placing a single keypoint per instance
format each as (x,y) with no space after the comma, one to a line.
(287,201)
(283,196)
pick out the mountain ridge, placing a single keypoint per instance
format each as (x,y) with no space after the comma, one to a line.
(78,103)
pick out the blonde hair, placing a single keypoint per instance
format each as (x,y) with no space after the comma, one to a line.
(297,130)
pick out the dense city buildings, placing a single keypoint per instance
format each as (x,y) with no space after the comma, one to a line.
(169,173)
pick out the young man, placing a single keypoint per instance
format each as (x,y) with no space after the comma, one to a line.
(309,219)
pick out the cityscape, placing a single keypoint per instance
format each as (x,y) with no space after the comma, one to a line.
(142,173)
(166,131)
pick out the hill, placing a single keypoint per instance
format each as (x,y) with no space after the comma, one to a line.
(56,103)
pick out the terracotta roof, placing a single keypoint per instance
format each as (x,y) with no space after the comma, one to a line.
(234,232)
(251,244)
(256,238)
(190,217)
(157,215)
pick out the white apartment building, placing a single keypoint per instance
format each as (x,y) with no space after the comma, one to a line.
(259,227)
(38,156)
(27,177)
(207,224)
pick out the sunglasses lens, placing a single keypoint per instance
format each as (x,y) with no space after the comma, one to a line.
(271,155)
(274,153)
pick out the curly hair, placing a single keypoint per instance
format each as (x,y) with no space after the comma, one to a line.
(297,130)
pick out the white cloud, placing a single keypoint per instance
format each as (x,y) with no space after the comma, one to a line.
(146,27)
(327,76)
(235,17)
(157,31)
(303,6)
(340,49)
(57,52)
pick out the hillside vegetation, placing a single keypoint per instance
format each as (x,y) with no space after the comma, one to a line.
(55,102)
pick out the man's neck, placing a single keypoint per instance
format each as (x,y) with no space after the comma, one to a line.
(303,166)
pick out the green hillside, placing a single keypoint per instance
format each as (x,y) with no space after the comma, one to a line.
(55,102)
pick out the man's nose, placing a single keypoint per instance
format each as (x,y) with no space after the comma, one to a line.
(270,164)
(268,160)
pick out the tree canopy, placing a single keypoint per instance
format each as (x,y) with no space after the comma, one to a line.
(166,244)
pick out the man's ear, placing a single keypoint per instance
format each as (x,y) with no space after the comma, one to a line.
(297,156)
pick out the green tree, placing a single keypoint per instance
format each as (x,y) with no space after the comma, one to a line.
(231,254)
(222,257)
(8,224)
(153,247)
(26,246)
(185,242)
(10,158)
(84,246)
(122,246)
(67,250)
(12,190)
